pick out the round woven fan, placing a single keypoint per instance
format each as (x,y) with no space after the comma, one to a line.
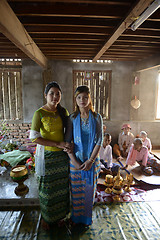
(135,103)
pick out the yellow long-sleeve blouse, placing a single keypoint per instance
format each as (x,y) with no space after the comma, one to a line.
(50,125)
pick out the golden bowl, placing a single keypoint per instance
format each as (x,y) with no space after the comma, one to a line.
(18,171)
(117,190)
(109,179)
(19,174)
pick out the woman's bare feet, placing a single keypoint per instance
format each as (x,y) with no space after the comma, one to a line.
(45,225)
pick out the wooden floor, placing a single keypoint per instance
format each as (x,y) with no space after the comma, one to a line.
(156,152)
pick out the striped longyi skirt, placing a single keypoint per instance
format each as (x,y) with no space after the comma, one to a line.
(54,187)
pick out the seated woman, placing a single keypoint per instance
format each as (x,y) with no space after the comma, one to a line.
(139,153)
(125,140)
(146,141)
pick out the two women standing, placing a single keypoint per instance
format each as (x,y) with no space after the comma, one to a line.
(84,131)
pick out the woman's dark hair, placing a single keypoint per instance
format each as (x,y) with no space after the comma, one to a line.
(50,85)
(82,89)
(61,110)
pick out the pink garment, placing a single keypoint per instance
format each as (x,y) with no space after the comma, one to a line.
(135,155)
(147,143)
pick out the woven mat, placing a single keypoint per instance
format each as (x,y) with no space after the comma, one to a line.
(136,195)
(138,174)
(130,221)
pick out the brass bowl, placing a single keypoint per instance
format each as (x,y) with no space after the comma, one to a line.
(18,172)
(117,190)
(109,179)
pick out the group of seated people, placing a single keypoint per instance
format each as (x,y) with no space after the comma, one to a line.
(133,149)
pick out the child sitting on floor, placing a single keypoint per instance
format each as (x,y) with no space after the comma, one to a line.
(105,155)
(139,153)
(145,140)
(125,140)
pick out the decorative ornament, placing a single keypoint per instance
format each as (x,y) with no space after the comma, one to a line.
(135,103)
(136,80)
(129,181)
(117,187)
(87,76)
(108,183)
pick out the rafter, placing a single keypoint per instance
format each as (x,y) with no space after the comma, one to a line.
(136,11)
(11,27)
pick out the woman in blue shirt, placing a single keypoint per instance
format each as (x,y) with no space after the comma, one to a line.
(85,130)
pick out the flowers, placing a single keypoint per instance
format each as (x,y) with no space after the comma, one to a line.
(3,129)
(31,164)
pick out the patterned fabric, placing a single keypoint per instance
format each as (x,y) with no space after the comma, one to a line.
(54,187)
(83,193)
(153,162)
(83,183)
(86,130)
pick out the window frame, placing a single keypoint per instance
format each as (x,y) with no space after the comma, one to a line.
(158,97)
(90,75)
(11,106)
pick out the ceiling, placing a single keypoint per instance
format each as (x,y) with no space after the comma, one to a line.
(80,29)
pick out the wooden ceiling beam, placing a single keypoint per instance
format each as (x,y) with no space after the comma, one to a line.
(73,33)
(58,36)
(37,20)
(67,42)
(69,29)
(138,46)
(138,41)
(11,27)
(135,12)
(44,9)
(98,2)
(142,35)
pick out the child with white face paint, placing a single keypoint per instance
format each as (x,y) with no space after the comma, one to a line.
(145,140)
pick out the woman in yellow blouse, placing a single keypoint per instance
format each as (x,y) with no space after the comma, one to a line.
(52,163)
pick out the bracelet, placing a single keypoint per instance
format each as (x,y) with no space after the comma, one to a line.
(92,160)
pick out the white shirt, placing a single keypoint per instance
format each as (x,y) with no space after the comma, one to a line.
(128,138)
(106,155)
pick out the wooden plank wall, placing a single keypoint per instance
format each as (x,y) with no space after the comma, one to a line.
(100,88)
(11,94)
